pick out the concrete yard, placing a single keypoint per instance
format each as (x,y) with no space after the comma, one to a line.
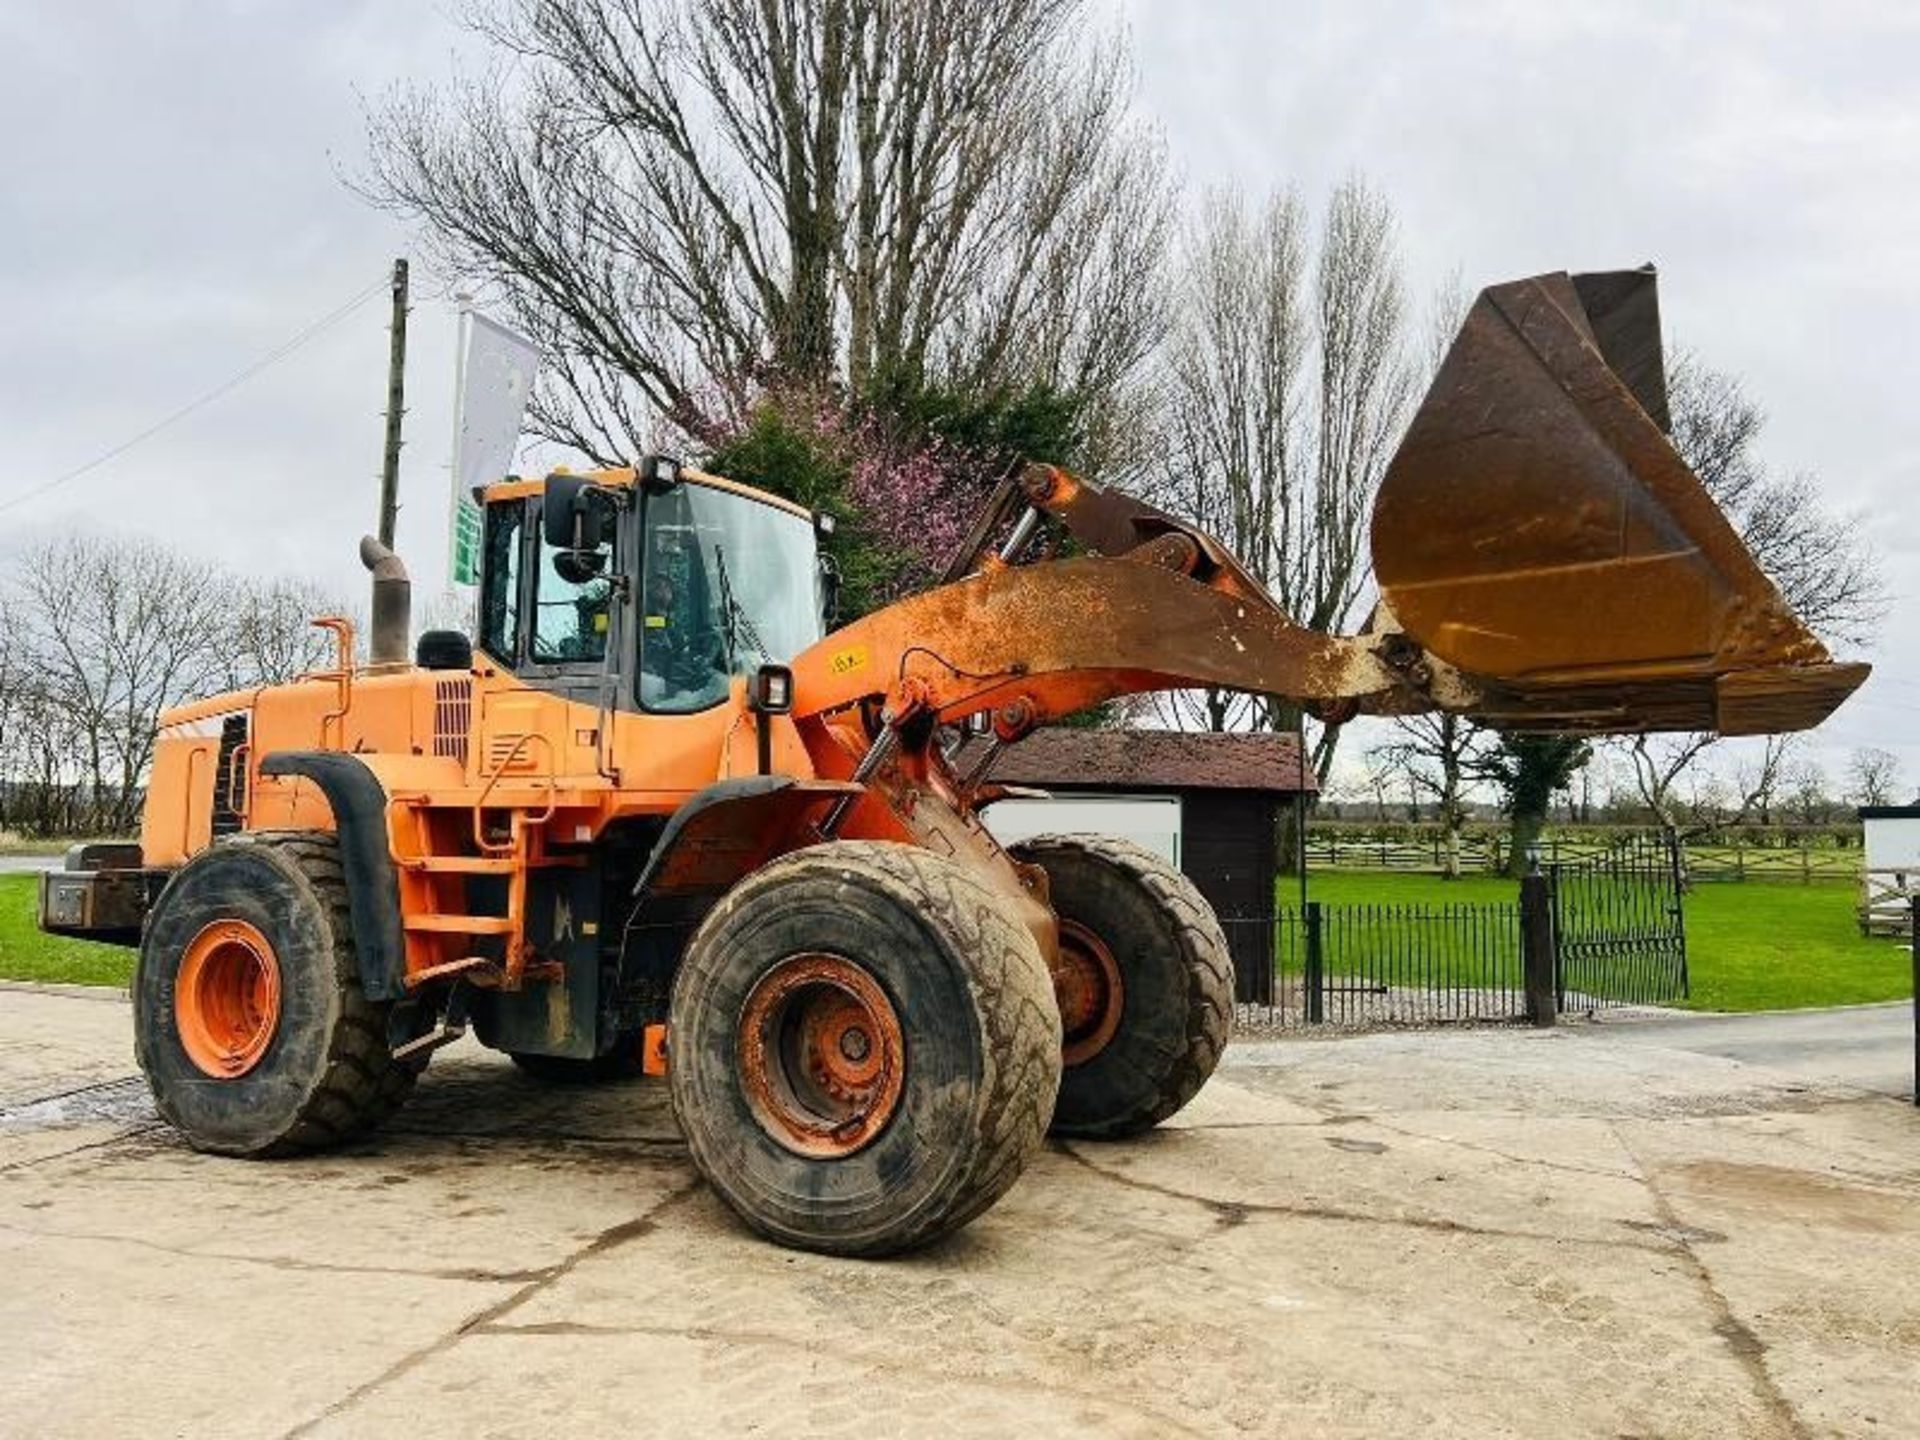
(1640,1229)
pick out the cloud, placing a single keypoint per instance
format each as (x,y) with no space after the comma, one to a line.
(170,209)
(1767,157)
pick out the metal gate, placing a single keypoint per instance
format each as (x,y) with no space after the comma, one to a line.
(1621,935)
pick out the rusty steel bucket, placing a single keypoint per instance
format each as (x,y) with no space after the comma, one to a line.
(1538,531)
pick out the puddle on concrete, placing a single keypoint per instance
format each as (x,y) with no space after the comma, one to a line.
(1359,1147)
(1799,1196)
(125,1101)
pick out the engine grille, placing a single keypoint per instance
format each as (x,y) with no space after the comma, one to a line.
(452,717)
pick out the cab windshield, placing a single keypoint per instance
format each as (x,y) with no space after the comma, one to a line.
(729,584)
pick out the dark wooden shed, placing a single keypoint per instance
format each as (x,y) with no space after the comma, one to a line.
(1230,789)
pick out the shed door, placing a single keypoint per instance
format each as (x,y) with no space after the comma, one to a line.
(1149,820)
(1893,842)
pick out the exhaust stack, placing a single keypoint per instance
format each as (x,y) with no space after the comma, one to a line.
(392,604)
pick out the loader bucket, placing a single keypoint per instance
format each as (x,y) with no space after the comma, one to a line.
(1537,530)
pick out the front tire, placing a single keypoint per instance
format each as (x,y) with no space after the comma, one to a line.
(865,1048)
(249,1021)
(1144,983)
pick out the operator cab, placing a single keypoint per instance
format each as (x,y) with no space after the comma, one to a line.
(665,579)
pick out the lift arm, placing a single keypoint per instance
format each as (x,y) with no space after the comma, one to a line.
(1546,562)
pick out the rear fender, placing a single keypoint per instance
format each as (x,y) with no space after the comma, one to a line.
(359,805)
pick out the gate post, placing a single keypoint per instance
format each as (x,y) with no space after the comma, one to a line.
(1314,980)
(1913,948)
(1537,946)
(1676,867)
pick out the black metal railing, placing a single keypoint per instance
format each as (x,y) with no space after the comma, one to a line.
(1364,966)
(1602,932)
(1619,933)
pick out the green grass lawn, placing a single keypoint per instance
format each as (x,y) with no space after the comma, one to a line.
(1750,946)
(26,954)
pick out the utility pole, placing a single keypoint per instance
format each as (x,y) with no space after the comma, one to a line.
(396,405)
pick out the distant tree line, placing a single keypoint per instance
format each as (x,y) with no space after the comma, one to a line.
(1753,795)
(102,635)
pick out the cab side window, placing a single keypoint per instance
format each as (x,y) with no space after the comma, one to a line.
(571,617)
(500,591)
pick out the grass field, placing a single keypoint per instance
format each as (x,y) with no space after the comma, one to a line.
(26,954)
(1750,947)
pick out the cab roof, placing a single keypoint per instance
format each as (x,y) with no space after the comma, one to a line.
(513,487)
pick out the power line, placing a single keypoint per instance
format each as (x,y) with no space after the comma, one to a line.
(272,357)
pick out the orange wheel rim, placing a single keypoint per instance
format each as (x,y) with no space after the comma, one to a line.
(1086,984)
(821,1054)
(226,998)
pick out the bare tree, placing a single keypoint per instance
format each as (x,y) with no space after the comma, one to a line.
(1376,778)
(104,634)
(1658,763)
(1682,796)
(1807,798)
(1818,559)
(1439,755)
(1873,776)
(269,636)
(1287,386)
(118,631)
(1762,778)
(13,704)
(681,200)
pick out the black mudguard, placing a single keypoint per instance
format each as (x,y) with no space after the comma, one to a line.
(359,805)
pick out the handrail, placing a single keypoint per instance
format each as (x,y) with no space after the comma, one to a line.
(493,778)
(342,675)
(237,761)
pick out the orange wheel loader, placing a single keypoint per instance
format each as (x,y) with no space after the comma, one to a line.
(651,815)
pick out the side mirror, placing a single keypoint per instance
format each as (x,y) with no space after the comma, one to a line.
(573,513)
(577,567)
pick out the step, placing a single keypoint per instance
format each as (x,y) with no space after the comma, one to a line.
(461,864)
(461,924)
(476,969)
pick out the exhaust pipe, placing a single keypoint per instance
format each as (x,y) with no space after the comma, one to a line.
(392,604)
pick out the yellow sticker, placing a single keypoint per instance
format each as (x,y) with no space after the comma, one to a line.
(656,622)
(845,662)
(600,623)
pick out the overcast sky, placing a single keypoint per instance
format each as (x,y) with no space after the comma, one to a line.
(171,209)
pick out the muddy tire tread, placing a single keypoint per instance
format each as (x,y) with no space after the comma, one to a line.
(363,1084)
(1012,993)
(1206,960)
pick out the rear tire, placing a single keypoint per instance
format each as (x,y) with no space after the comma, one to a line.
(249,1021)
(1145,984)
(865,1048)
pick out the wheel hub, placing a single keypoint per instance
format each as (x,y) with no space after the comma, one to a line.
(1086,984)
(226,998)
(821,1054)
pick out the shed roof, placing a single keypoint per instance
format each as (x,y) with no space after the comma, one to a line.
(1068,758)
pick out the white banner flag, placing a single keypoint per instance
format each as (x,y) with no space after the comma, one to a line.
(496,370)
